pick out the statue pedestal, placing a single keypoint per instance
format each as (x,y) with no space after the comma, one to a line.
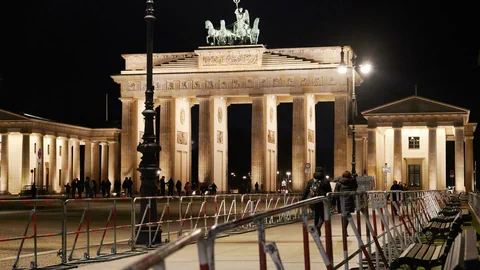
(232,58)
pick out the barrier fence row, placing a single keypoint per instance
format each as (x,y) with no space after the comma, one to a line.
(175,216)
(392,220)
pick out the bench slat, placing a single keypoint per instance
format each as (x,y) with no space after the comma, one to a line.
(470,255)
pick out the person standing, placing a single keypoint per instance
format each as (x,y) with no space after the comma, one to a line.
(81,187)
(108,187)
(93,184)
(117,185)
(67,190)
(170,187)
(87,188)
(129,187)
(103,187)
(34,190)
(74,187)
(256,187)
(214,188)
(162,186)
(347,183)
(317,186)
(395,195)
(178,185)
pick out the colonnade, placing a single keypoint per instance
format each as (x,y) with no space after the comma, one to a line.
(53,160)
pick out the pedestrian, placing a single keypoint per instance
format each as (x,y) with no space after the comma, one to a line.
(88,192)
(103,187)
(170,187)
(317,186)
(117,185)
(34,190)
(214,188)
(256,187)
(80,187)
(124,186)
(162,186)
(188,189)
(94,188)
(347,183)
(395,194)
(130,187)
(67,190)
(178,185)
(108,187)
(74,187)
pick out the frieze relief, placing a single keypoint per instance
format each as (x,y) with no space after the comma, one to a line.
(182,137)
(271,136)
(234,83)
(230,60)
(311,136)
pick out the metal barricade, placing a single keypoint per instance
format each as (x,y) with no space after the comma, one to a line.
(156,260)
(85,225)
(33,221)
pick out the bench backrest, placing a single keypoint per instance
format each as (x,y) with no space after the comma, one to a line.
(470,250)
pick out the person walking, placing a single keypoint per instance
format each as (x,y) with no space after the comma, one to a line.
(170,187)
(214,189)
(103,187)
(74,188)
(344,184)
(81,187)
(108,187)
(188,189)
(178,185)
(130,187)
(317,186)
(162,186)
(67,190)
(256,187)
(88,192)
(395,195)
(34,190)
(117,187)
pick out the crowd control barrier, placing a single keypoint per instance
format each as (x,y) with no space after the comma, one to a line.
(32,221)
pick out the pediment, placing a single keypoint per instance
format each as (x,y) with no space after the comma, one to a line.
(9,116)
(415,105)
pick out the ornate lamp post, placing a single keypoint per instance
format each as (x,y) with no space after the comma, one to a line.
(342,69)
(149,148)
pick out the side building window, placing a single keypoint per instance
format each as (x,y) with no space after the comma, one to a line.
(413,142)
(414,175)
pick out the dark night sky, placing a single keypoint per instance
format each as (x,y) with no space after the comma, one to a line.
(56,56)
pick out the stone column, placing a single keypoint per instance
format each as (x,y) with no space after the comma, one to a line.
(129,130)
(76,158)
(104,166)
(359,153)
(112,154)
(167,138)
(26,175)
(469,181)
(70,159)
(432,158)
(39,164)
(459,160)
(63,153)
(55,184)
(372,157)
(299,141)
(87,161)
(205,141)
(259,142)
(397,154)
(95,162)
(4,165)
(341,136)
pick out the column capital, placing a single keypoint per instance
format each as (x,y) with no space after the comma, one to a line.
(469,137)
(459,127)
(103,143)
(204,97)
(432,126)
(396,125)
(126,99)
(162,99)
(112,142)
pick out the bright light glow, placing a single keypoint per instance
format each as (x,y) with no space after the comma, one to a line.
(232,173)
(244,177)
(327,176)
(366,68)
(158,172)
(278,172)
(289,173)
(342,68)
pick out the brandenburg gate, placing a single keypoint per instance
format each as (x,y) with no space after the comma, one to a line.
(216,77)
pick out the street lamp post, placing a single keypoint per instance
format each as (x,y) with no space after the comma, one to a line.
(149,148)
(342,68)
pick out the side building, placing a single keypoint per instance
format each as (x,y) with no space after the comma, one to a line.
(52,153)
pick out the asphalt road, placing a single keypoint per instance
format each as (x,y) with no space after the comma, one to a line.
(14,218)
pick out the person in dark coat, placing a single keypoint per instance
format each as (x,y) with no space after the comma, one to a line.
(117,185)
(103,187)
(344,184)
(108,187)
(34,190)
(170,187)
(178,185)
(130,187)
(317,186)
(88,192)
(394,195)
(67,190)
(80,187)
(162,186)
(74,187)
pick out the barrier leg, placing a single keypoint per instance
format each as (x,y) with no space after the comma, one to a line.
(159,222)
(328,230)
(271,248)
(70,257)
(114,249)
(306,244)
(87,254)
(104,231)
(141,223)
(360,241)
(32,212)
(313,231)
(344,232)
(34,264)
(261,245)
(211,252)
(379,251)
(202,254)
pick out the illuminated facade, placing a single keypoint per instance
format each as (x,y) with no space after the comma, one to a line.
(50,153)
(409,136)
(216,77)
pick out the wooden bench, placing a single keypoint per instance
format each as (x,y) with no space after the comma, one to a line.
(441,227)
(429,255)
(463,253)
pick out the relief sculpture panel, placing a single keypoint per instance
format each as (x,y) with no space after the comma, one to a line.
(182,137)
(311,136)
(271,136)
